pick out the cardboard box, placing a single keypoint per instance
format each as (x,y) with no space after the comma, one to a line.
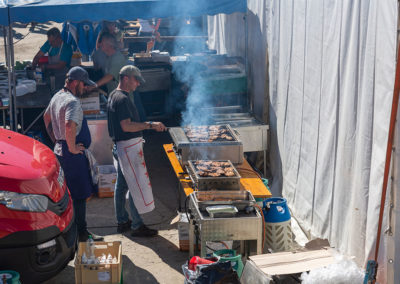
(99,273)
(107,177)
(183,232)
(278,267)
(91,103)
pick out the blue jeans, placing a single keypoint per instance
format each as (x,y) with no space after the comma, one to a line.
(80,214)
(121,188)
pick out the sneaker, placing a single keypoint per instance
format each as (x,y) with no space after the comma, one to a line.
(144,231)
(123,227)
(85,235)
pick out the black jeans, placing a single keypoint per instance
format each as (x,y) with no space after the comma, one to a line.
(80,214)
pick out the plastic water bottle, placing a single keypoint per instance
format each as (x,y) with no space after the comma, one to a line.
(39,75)
(90,250)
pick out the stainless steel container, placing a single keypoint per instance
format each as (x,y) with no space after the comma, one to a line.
(102,144)
(246,227)
(252,132)
(213,183)
(157,79)
(216,150)
(240,199)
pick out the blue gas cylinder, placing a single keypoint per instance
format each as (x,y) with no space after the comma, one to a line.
(278,229)
(276,210)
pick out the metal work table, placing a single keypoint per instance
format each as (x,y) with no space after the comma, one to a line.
(39,100)
(246,228)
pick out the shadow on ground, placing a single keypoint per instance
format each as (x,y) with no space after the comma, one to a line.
(166,251)
(38,28)
(135,274)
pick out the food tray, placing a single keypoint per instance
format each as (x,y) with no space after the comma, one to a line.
(213,183)
(238,198)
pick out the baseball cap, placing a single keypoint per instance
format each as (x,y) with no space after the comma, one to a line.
(78,73)
(130,70)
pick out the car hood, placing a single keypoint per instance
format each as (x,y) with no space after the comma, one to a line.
(23,158)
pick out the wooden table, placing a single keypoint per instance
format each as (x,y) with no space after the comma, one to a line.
(250,180)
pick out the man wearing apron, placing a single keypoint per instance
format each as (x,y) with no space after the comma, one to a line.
(126,131)
(68,128)
(60,55)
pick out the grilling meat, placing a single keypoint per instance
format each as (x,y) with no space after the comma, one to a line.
(207,133)
(206,168)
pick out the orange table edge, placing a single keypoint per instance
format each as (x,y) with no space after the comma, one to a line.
(250,180)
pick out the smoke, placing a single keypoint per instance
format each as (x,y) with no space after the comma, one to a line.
(198,97)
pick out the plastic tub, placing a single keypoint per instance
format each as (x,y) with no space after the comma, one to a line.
(230,255)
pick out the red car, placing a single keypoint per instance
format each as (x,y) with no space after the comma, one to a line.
(37,231)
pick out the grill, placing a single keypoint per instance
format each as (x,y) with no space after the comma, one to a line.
(245,224)
(187,148)
(213,175)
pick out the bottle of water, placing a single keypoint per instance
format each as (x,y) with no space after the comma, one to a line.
(90,250)
(39,75)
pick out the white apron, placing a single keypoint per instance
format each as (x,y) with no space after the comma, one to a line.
(133,166)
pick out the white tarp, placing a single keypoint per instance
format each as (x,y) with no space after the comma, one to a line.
(331,72)
(227,36)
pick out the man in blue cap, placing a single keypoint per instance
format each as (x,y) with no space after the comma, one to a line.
(69,131)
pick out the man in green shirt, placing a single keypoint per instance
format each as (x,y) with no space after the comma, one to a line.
(114,62)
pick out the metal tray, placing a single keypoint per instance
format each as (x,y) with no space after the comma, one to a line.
(213,183)
(238,198)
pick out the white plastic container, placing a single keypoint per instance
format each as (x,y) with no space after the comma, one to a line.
(39,75)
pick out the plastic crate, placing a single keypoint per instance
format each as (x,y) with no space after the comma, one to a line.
(99,273)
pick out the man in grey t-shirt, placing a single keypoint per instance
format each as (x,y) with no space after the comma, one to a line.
(114,62)
(68,128)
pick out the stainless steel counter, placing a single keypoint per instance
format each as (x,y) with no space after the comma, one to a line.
(252,132)
(102,144)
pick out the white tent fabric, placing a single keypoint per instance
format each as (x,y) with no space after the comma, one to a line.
(331,88)
(332,67)
(227,36)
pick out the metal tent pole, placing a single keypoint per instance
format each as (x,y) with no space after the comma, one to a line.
(246,60)
(6,59)
(13,95)
(14,90)
(10,77)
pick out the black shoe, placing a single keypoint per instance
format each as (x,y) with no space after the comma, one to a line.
(85,235)
(143,231)
(123,227)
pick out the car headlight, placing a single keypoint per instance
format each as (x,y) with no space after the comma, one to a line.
(60,177)
(24,202)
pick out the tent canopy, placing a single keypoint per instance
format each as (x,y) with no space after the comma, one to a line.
(3,13)
(95,10)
